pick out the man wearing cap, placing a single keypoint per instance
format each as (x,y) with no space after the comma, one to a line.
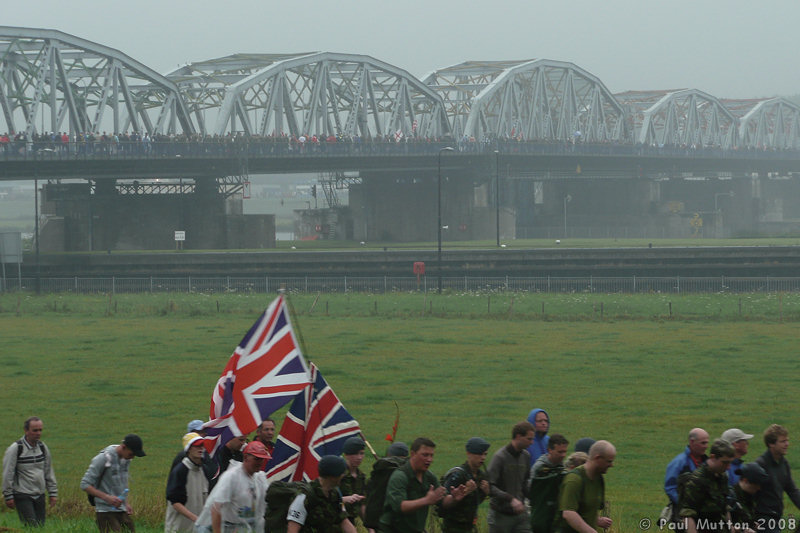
(106,480)
(740,442)
(546,476)
(704,499)
(509,471)
(28,477)
(354,483)
(320,509)
(693,456)
(209,465)
(460,516)
(769,500)
(743,510)
(412,489)
(238,501)
(187,487)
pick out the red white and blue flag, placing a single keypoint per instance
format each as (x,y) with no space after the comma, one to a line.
(264,373)
(317,424)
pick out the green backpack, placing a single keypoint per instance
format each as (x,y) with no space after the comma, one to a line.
(280,496)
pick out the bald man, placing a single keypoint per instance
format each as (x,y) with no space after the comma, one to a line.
(582,493)
(692,457)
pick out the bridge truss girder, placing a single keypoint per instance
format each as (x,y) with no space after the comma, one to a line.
(328,94)
(52,81)
(772,123)
(687,117)
(535,100)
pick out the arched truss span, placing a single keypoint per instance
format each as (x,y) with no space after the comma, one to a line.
(685,117)
(203,84)
(53,81)
(328,94)
(537,99)
(772,123)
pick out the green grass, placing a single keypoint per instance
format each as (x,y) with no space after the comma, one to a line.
(94,372)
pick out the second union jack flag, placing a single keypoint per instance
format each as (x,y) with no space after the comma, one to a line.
(265,371)
(317,424)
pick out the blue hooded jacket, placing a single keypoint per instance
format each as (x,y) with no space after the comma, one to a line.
(539,446)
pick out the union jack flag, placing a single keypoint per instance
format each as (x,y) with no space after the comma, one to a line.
(265,371)
(317,424)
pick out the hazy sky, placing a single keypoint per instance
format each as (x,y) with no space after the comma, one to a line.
(731,48)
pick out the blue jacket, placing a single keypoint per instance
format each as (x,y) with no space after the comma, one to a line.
(682,463)
(539,446)
(733,477)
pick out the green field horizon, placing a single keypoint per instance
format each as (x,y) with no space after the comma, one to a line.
(95,372)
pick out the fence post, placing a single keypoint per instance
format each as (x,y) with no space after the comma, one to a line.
(305,286)
(189,288)
(113,284)
(384,284)
(465,284)
(151,284)
(506,282)
(345,284)
(679,284)
(266,284)
(76,285)
(591,284)
(634,284)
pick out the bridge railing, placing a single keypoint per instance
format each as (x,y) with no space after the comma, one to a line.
(391,284)
(281,147)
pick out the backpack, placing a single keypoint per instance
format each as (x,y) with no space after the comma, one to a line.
(376,488)
(581,473)
(280,496)
(441,510)
(543,497)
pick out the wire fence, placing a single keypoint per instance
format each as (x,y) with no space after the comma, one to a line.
(390,284)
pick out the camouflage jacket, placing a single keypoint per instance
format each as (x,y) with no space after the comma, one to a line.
(705,495)
(461,515)
(325,513)
(353,485)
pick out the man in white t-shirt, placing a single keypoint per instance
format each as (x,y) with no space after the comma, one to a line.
(237,503)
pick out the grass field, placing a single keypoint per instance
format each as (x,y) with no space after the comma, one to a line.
(96,368)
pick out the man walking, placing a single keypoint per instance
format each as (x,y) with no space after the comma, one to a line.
(704,502)
(740,442)
(509,471)
(238,501)
(320,509)
(769,500)
(460,516)
(546,477)
(582,494)
(412,489)
(106,481)
(28,475)
(265,433)
(692,457)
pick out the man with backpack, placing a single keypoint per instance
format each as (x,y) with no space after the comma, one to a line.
(28,475)
(382,469)
(318,508)
(677,470)
(106,484)
(546,476)
(704,500)
(460,516)
(582,493)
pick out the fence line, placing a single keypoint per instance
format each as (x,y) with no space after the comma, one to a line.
(389,284)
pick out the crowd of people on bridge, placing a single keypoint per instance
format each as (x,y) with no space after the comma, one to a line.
(61,145)
(532,486)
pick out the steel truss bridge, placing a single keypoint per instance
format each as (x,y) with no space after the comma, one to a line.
(51,81)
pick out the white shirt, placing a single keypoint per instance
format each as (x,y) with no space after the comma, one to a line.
(240,499)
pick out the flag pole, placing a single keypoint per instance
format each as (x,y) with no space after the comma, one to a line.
(295,324)
(371,449)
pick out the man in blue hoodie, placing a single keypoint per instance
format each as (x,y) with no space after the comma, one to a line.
(541,423)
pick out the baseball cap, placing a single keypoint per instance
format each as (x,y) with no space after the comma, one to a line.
(134,443)
(256,449)
(735,435)
(194,426)
(190,439)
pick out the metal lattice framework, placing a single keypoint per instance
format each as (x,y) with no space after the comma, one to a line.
(536,99)
(770,123)
(203,84)
(331,94)
(683,117)
(52,81)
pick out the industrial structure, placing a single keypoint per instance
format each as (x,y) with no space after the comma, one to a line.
(540,148)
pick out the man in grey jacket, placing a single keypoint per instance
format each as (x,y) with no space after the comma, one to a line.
(509,471)
(28,475)
(106,480)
